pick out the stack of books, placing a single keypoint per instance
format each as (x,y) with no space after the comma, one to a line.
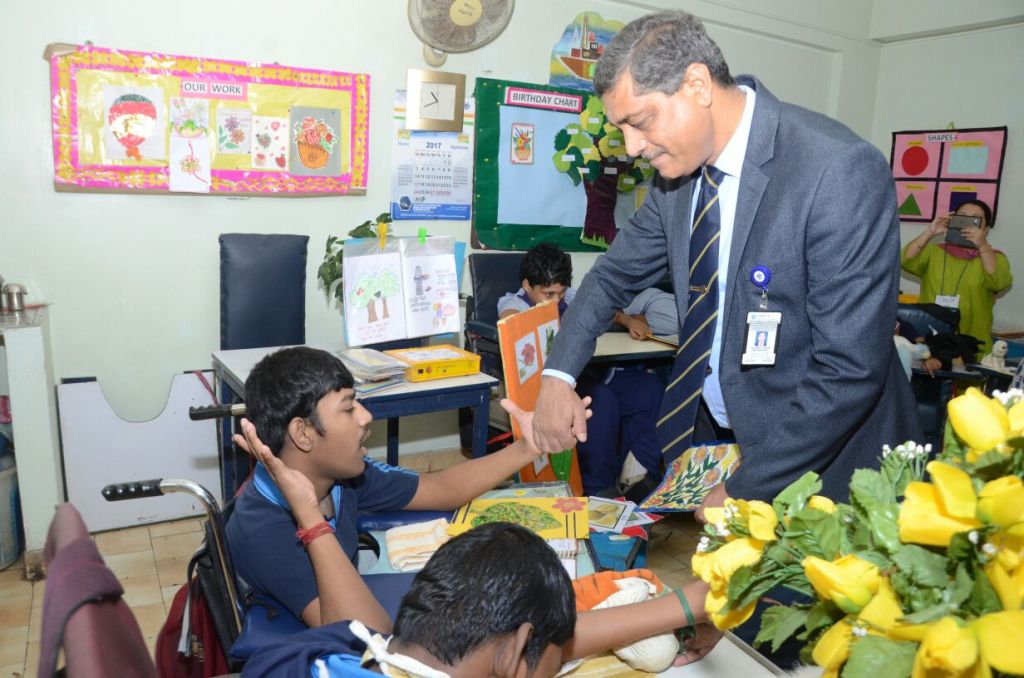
(372,370)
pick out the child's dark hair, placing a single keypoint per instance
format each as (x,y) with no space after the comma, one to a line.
(985,210)
(546,264)
(483,584)
(288,384)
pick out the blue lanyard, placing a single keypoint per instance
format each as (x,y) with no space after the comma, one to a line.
(268,490)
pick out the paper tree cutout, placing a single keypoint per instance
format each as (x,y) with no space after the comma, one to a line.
(593,153)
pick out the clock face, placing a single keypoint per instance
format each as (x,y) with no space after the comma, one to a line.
(437,101)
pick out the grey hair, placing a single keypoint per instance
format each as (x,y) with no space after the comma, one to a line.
(657,49)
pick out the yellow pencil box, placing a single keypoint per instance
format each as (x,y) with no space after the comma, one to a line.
(436,362)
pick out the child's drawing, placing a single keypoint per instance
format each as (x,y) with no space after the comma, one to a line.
(526,356)
(547,332)
(233,128)
(373,298)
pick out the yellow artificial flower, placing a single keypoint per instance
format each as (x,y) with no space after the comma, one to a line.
(999,639)
(820,503)
(833,648)
(716,568)
(882,613)
(1015,417)
(849,582)
(980,421)
(760,519)
(947,649)
(924,520)
(954,489)
(1001,502)
(716,601)
(1006,570)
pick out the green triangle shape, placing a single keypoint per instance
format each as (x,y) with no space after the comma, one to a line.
(909,207)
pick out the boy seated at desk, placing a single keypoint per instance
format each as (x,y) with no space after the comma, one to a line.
(303,414)
(624,399)
(494,601)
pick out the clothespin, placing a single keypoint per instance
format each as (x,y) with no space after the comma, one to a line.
(423,235)
(382,234)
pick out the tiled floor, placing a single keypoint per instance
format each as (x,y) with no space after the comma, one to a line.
(151,563)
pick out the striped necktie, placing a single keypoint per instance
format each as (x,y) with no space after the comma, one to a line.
(686,381)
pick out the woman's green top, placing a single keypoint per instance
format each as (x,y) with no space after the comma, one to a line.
(942,273)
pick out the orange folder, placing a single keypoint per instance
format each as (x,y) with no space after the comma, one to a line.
(525,340)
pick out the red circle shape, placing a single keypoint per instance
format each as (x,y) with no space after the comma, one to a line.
(915,160)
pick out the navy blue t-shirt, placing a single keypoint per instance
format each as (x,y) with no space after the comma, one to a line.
(261,530)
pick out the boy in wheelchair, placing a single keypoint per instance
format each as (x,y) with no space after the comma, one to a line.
(307,428)
(494,601)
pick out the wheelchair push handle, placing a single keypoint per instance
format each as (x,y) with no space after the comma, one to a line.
(216,411)
(133,490)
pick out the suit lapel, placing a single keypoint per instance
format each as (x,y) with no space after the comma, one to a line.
(753,181)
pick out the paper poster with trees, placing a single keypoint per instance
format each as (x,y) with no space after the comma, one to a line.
(406,289)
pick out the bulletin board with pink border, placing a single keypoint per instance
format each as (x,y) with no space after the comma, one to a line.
(936,171)
(158,123)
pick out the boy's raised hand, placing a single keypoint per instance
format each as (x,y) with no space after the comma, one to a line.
(525,421)
(295,486)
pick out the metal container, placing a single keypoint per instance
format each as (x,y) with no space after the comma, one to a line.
(14,297)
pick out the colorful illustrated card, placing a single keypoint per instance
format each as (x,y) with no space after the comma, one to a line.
(608,515)
(313,140)
(527,363)
(190,118)
(189,166)
(234,125)
(522,143)
(690,477)
(134,124)
(269,148)
(560,518)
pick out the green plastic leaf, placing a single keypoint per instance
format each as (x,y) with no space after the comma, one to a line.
(778,624)
(873,500)
(983,599)
(821,616)
(868,485)
(878,657)
(929,614)
(796,494)
(814,533)
(922,566)
(951,445)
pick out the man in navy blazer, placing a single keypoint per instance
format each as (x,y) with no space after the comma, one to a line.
(805,199)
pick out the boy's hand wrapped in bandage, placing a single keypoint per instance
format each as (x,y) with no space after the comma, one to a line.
(611,589)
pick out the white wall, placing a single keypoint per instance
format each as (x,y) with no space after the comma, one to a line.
(972,78)
(134,279)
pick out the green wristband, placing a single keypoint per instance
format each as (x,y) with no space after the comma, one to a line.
(690,630)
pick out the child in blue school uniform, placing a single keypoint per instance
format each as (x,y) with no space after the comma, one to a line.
(304,413)
(625,400)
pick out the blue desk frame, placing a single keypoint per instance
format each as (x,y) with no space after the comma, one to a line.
(436,396)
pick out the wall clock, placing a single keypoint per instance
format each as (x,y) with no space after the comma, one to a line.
(434,101)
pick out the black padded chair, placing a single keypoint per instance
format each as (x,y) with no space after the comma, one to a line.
(262,290)
(262,303)
(492,275)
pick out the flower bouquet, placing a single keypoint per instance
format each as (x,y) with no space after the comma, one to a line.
(315,140)
(912,578)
